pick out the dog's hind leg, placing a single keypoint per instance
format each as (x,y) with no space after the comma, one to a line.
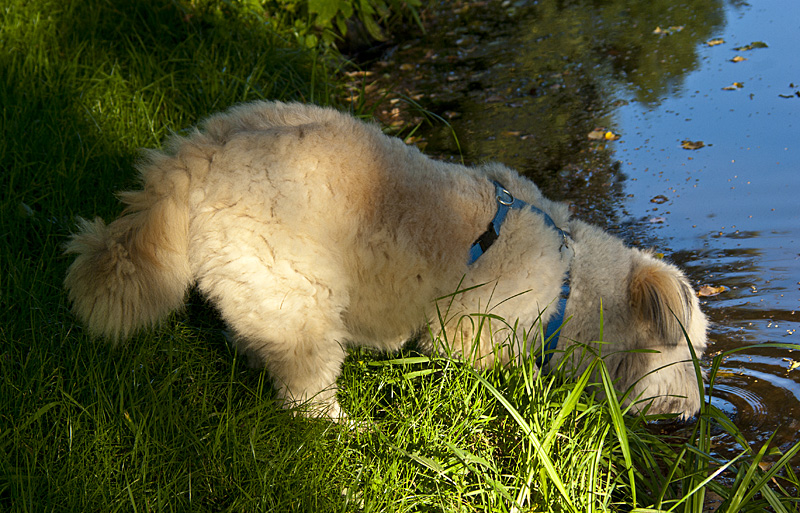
(303,355)
(304,360)
(288,322)
(308,385)
(304,373)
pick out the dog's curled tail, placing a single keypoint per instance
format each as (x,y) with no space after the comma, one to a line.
(131,273)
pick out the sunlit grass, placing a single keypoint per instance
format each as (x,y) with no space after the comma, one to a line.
(176,421)
(554,446)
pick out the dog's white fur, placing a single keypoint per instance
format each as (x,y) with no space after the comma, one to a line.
(311,231)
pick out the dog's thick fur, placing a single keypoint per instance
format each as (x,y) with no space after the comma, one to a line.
(311,231)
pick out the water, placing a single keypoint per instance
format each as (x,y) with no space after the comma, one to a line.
(525,83)
(732,217)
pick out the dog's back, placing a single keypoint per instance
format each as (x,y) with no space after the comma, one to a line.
(296,221)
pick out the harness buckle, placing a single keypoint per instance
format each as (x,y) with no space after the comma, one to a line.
(503,196)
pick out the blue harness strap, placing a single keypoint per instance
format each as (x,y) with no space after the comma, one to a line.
(554,328)
(506,202)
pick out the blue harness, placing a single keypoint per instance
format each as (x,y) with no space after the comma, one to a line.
(506,202)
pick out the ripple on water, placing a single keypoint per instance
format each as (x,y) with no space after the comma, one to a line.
(740,405)
(759,395)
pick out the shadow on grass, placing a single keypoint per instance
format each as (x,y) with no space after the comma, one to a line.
(84,85)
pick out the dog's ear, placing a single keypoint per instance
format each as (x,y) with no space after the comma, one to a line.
(660,298)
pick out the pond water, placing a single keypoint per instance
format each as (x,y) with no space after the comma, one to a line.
(538,85)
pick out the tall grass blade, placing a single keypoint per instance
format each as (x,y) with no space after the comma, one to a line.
(544,458)
(619,426)
(468,460)
(568,406)
(742,495)
(702,484)
(701,433)
(761,484)
(30,420)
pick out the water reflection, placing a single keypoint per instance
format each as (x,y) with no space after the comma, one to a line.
(649,47)
(525,83)
(731,218)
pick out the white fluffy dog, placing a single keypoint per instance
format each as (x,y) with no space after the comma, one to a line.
(311,231)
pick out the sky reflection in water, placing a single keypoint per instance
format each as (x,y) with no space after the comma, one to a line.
(733,210)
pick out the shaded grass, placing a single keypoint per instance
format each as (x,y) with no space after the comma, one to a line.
(84,85)
(175,421)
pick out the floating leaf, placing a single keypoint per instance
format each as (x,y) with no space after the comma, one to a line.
(795,364)
(795,95)
(715,42)
(692,145)
(751,46)
(735,86)
(668,31)
(738,58)
(601,134)
(708,290)
(658,200)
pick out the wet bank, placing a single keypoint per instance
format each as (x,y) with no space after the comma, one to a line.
(672,124)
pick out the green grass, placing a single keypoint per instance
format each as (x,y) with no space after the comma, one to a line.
(174,420)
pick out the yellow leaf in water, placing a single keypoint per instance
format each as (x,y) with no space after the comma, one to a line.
(738,58)
(734,87)
(795,364)
(708,290)
(754,44)
(601,134)
(669,31)
(597,134)
(715,42)
(692,145)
